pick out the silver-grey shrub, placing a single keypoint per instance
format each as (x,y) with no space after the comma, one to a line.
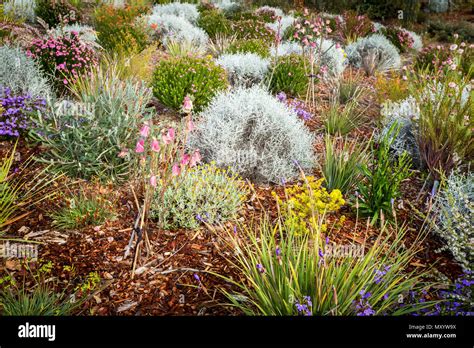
(373,53)
(253,133)
(333,58)
(20,9)
(187,11)
(455,216)
(178,29)
(244,69)
(21,73)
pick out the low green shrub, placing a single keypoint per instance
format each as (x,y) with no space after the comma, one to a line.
(178,77)
(289,75)
(201,194)
(256,46)
(83,210)
(214,22)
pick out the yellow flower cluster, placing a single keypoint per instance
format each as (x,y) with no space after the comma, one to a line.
(307,204)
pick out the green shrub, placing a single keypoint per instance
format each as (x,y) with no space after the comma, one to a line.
(178,77)
(256,46)
(118,30)
(83,210)
(252,29)
(445,31)
(214,22)
(205,193)
(55,12)
(400,38)
(382,178)
(84,138)
(289,75)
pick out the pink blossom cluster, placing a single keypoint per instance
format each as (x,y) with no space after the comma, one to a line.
(309,31)
(405,39)
(65,57)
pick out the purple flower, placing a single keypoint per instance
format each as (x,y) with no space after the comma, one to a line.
(278,251)
(260,268)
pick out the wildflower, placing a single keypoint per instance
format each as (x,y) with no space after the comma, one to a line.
(453,47)
(187,105)
(153,180)
(196,276)
(195,158)
(169,136)
(140,146)
(452,84)
(278,251)
(185,160)
(190,126)
(155,145)
(176,170)
(260,268)
(145,131)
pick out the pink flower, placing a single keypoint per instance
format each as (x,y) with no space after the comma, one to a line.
(452,84)
(187,105)
(195,158)
(155,145)
(140,146)
(190,126)
(145,130)
(176,170)
(185,160)
(169,136)
(153,180)
(453,47)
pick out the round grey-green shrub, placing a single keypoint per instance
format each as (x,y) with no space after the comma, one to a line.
(203,193)
(22,74)
(244,69)
(374,52)
(251,132)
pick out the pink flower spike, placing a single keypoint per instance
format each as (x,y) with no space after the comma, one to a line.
(153,180)
(190,126)
(187,105)
(155,145)
(169,137)
(185,160)
(140,146)
(195,158)
(176,170)
(145,131)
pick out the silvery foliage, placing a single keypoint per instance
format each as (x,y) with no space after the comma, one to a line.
(21,73)
(226,5)
(378,26)
(404,113)
(276,10)
(417,41)
(333,58)
(282,25)
(183,10)
(114,3)
(178,29)
(438,6)
(244,69)
(87,34)
(255,135)
(286,48)
(21,9)
(376,49)
(454,210)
